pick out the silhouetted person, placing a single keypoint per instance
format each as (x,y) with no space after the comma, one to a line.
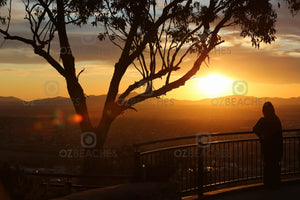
(269,131)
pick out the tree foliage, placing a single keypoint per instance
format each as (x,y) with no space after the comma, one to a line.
(156,38)
(294,6)
(2,19)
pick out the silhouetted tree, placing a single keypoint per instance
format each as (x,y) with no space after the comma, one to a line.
(155,37)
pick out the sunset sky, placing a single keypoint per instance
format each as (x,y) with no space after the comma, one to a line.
(270,71)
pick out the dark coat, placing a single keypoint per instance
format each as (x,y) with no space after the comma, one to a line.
(269,131)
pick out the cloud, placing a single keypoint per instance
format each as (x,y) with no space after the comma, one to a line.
(14,71)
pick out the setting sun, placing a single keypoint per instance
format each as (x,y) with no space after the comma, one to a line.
(214,85)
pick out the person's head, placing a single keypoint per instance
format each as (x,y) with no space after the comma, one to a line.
(268,109)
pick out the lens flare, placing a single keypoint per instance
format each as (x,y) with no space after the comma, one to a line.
(75,119)
(58,119)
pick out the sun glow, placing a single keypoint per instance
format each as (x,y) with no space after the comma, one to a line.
(214,85)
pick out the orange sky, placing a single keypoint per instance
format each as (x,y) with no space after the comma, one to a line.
(272,71)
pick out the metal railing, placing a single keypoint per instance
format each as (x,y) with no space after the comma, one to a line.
(220,163)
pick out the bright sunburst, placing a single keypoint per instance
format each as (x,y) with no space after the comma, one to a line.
(214,85)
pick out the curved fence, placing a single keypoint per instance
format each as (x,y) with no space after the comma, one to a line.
(217,163)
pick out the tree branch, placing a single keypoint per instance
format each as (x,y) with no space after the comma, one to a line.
(38,50)
(149,78)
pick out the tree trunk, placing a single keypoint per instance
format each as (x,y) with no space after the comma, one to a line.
(111,109)
(110,112)
(93,165)
(79,102)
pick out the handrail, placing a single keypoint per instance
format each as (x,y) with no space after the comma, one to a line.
(193,136)
(213,142)
(169,148)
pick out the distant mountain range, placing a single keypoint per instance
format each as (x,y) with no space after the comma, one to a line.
(97,101)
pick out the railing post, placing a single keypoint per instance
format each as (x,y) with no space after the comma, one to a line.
(68,186)
(137,168)
(200,170)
